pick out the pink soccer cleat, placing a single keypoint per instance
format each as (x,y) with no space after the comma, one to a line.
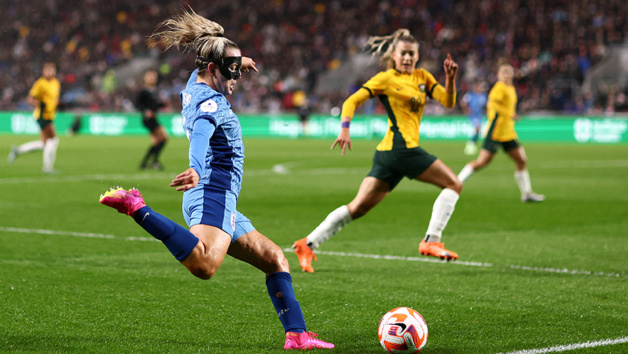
(126,202)
(305,341)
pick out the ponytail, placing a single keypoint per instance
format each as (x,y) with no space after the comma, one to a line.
(190,31)
(384,46)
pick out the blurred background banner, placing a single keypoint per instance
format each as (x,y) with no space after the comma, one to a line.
(546,128)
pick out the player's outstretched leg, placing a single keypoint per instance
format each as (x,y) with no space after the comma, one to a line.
(305,255)
(305,341)
(179,240)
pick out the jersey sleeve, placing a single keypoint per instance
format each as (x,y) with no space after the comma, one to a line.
(437,92)
(374,87)
(35,91)
(204,128)
(496,100)
(354,101)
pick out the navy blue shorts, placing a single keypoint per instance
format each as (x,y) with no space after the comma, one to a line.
(215,207)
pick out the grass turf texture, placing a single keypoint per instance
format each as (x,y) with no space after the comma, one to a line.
(64,293)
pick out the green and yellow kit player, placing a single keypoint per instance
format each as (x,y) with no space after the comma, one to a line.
(44,96)
(403,90)
(501,111)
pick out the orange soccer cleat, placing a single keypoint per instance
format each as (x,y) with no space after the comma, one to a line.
(305,255)
(305,341)
(436,249)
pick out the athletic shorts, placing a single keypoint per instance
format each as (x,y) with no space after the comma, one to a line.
(151,124)
(391,166)
(44,122)
(215,207)
(492,145)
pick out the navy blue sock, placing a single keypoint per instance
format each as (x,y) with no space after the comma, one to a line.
(179,240)
(279,286)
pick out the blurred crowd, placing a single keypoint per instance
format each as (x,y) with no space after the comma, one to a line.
(551,43)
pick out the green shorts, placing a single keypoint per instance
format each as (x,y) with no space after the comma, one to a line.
(492,145)
(44,122)
(391,166)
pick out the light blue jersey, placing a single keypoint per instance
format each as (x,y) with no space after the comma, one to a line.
(476,103)
(217,154)
(216,149)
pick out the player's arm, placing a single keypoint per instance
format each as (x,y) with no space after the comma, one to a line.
(447,95)
(204,128)
(247,65)
(348,110)
(495,102)
(34,95)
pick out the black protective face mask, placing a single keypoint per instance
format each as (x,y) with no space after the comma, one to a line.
(226,71)
(223,66)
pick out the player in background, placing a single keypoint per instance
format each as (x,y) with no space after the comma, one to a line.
(212,183)
(44,96)
(403,90)
(148,103)
(502,114)
(473,103)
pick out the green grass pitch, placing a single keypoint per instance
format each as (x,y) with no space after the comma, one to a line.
(76,276)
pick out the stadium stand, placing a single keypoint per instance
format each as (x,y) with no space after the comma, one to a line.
(101,48)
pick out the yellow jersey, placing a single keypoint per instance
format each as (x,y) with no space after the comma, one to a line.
(47,91)
(404,97)
(500,111)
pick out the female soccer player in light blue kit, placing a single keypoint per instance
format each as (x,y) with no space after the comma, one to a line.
(212,183)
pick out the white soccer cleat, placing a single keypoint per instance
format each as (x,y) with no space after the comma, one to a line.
(12,154)
(532,198)
(470,148)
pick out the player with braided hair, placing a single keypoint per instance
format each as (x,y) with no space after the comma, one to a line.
(403,90)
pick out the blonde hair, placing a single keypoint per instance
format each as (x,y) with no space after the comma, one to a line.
(384,46)
(187,31)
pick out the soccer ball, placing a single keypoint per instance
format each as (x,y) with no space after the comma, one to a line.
(402,330)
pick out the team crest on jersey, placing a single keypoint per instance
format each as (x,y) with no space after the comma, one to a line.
(422,87)
(209,106)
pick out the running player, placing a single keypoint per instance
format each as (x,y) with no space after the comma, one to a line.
(502,114)
(474,104)
(44,96)
(403,89)
(212,183)
(148,103)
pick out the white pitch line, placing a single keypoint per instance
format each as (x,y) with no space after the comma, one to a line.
(567,271)
(585,164)
(473,264)
(101,177)
(75,234)
(340,254)
(562,348)
(397,258)
(285,168)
